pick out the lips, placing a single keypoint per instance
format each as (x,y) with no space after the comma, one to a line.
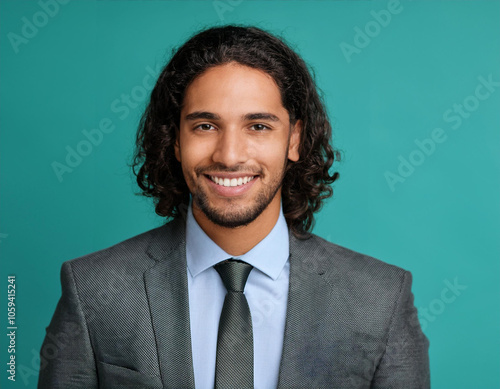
(231,182)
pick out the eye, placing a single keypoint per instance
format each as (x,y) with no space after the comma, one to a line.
(204,127)
(260,127)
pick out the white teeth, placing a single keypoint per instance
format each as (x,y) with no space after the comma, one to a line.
(231,182)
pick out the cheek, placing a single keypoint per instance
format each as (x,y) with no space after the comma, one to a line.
(273,156)
(193,151)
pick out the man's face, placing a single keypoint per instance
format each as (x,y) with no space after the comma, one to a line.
(234,142)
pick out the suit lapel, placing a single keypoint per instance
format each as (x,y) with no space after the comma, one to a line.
(312,329)
(167,291)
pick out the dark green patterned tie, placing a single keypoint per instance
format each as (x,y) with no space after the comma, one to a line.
(234,364)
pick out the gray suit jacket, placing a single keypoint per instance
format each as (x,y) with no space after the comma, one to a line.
(123,319)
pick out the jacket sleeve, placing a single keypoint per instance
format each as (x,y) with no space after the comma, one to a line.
(66,357)
(405,362)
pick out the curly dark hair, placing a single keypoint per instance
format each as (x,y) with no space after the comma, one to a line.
(306,183)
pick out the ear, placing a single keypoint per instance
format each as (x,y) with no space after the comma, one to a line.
(294,143)
(176,146)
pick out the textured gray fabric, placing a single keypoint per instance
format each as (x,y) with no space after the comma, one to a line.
(234,363)
(123,320)
(350,322)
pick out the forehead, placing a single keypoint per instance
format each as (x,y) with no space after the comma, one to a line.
(234,89)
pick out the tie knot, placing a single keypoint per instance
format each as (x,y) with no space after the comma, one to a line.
(234,274)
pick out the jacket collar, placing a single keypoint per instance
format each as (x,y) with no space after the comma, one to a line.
(167,294)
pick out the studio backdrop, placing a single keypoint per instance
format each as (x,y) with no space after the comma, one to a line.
(412,90)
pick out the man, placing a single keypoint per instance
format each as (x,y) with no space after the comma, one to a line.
(234,148)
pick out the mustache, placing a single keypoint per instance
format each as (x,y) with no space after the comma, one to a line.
(221,168)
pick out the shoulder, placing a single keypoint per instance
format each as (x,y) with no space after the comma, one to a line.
(133,255)
(342,265)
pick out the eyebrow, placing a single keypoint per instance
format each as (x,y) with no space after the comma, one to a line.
(249,116)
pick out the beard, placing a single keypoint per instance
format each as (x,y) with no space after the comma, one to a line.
(229,216)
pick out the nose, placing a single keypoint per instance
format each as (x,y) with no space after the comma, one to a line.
(231,147)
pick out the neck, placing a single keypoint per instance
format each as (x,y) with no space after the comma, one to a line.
(240,240)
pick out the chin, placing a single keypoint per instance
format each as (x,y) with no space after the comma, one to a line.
(230,218)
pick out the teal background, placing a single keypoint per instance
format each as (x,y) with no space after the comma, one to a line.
(442,223)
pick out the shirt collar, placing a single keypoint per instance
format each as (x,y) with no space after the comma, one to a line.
(269,255)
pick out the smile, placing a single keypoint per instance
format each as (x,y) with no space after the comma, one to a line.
(231,181)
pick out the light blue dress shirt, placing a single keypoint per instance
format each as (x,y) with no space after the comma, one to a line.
(266,291)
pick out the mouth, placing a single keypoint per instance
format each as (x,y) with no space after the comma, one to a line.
(231,182)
